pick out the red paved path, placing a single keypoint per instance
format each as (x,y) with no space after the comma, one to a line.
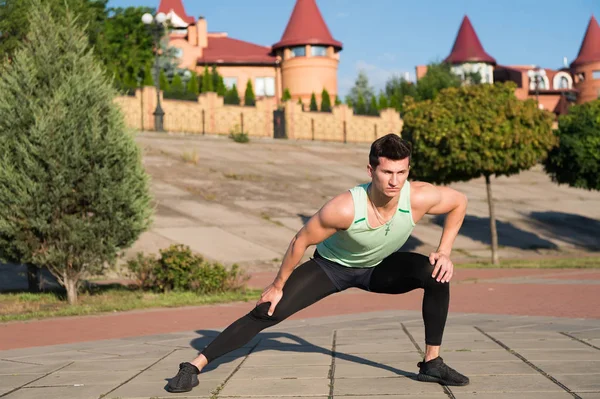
(468,294)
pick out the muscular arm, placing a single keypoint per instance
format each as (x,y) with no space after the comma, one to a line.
(337,214)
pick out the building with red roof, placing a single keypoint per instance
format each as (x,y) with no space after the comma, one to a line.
(554,89)
(304,61)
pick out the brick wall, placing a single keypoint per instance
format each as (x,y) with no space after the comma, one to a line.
(209,115)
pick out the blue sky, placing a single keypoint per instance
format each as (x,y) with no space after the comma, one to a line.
(386,37)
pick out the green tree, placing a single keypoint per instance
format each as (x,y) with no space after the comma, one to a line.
(249,98)
(438,76)
(207,81)
(163,81)
(73,189)
(221,89)
(373,107)
(397,89)
(286,95)
(232,97)
(360,107)
(325,101)
(337,100)
(177,85)
(383,101)
(301,103)
(14,21)
(192,84)
(313,103)
(362,89)
(214,74)
(473,131)
(148,80)
(576,161)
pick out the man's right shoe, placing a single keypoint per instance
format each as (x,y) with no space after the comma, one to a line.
(436,370)
(185,380)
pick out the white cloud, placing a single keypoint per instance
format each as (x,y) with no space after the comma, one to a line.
(342,14)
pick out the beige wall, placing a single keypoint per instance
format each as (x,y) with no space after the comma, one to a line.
(589,89)
(211,116)
(341,125)
(190,53)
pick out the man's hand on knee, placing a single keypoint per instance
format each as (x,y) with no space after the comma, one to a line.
(273,295)
(443,267)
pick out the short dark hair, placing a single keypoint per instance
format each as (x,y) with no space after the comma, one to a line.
(390,146)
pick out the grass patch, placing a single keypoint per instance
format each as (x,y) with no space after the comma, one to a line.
(26,306)
(592,262)
(243,177)
(191,157)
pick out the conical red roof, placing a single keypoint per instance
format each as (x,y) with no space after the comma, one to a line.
(166,6)
(467,47)
(590,47)
(306,26)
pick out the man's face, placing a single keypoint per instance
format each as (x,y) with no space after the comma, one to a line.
(389,176)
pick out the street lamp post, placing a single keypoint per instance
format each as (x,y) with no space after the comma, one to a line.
(156,24)
(537,75)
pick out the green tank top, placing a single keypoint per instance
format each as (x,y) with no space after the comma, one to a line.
(362,245)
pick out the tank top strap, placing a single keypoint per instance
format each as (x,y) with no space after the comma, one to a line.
(359,196)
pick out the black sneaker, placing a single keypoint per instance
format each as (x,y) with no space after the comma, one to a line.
(436,370)
(185,380)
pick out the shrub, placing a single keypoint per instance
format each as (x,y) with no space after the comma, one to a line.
(238,136)
(179,269)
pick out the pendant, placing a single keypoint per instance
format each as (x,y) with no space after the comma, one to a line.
(387,229)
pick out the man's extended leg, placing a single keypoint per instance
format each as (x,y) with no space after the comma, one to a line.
(403,272)
(307,284)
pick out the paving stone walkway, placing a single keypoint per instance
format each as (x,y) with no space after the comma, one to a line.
(371,355)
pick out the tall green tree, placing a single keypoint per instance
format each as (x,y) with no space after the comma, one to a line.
(163,81)
(576,160)
(192,84)
(286,95)
(397,89)
(373,107)
(360,107)
(177,85)
(476,130)
(438,77)
(361,88)
(313,103)
(207,81)
(221,89)
(232,96)
(148,79)
(325,101)
(383,101)
(249,97)
(14,21)
(73,189)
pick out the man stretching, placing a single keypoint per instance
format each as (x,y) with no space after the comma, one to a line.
(358,235)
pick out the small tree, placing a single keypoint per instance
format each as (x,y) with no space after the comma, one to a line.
(337,100)
(360,108)
(383,101)
(249,98)
(214,74)
(148,80)
(177,85)
(576,161)
(192,84)
(474,131)
(207,81)
(301,103)
(313,103)
(221,89)
(373,107)
(232,97)
(72,185)
(286,95)
(163,81)
(325,101)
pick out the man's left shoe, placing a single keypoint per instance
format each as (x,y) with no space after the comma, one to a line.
(436,370)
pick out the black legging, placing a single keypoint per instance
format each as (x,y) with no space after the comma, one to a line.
(399,273)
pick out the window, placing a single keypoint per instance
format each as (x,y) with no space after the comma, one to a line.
(264,87)
(299,51)
(318,51)
(229,82)
(563,83)
(596,75)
